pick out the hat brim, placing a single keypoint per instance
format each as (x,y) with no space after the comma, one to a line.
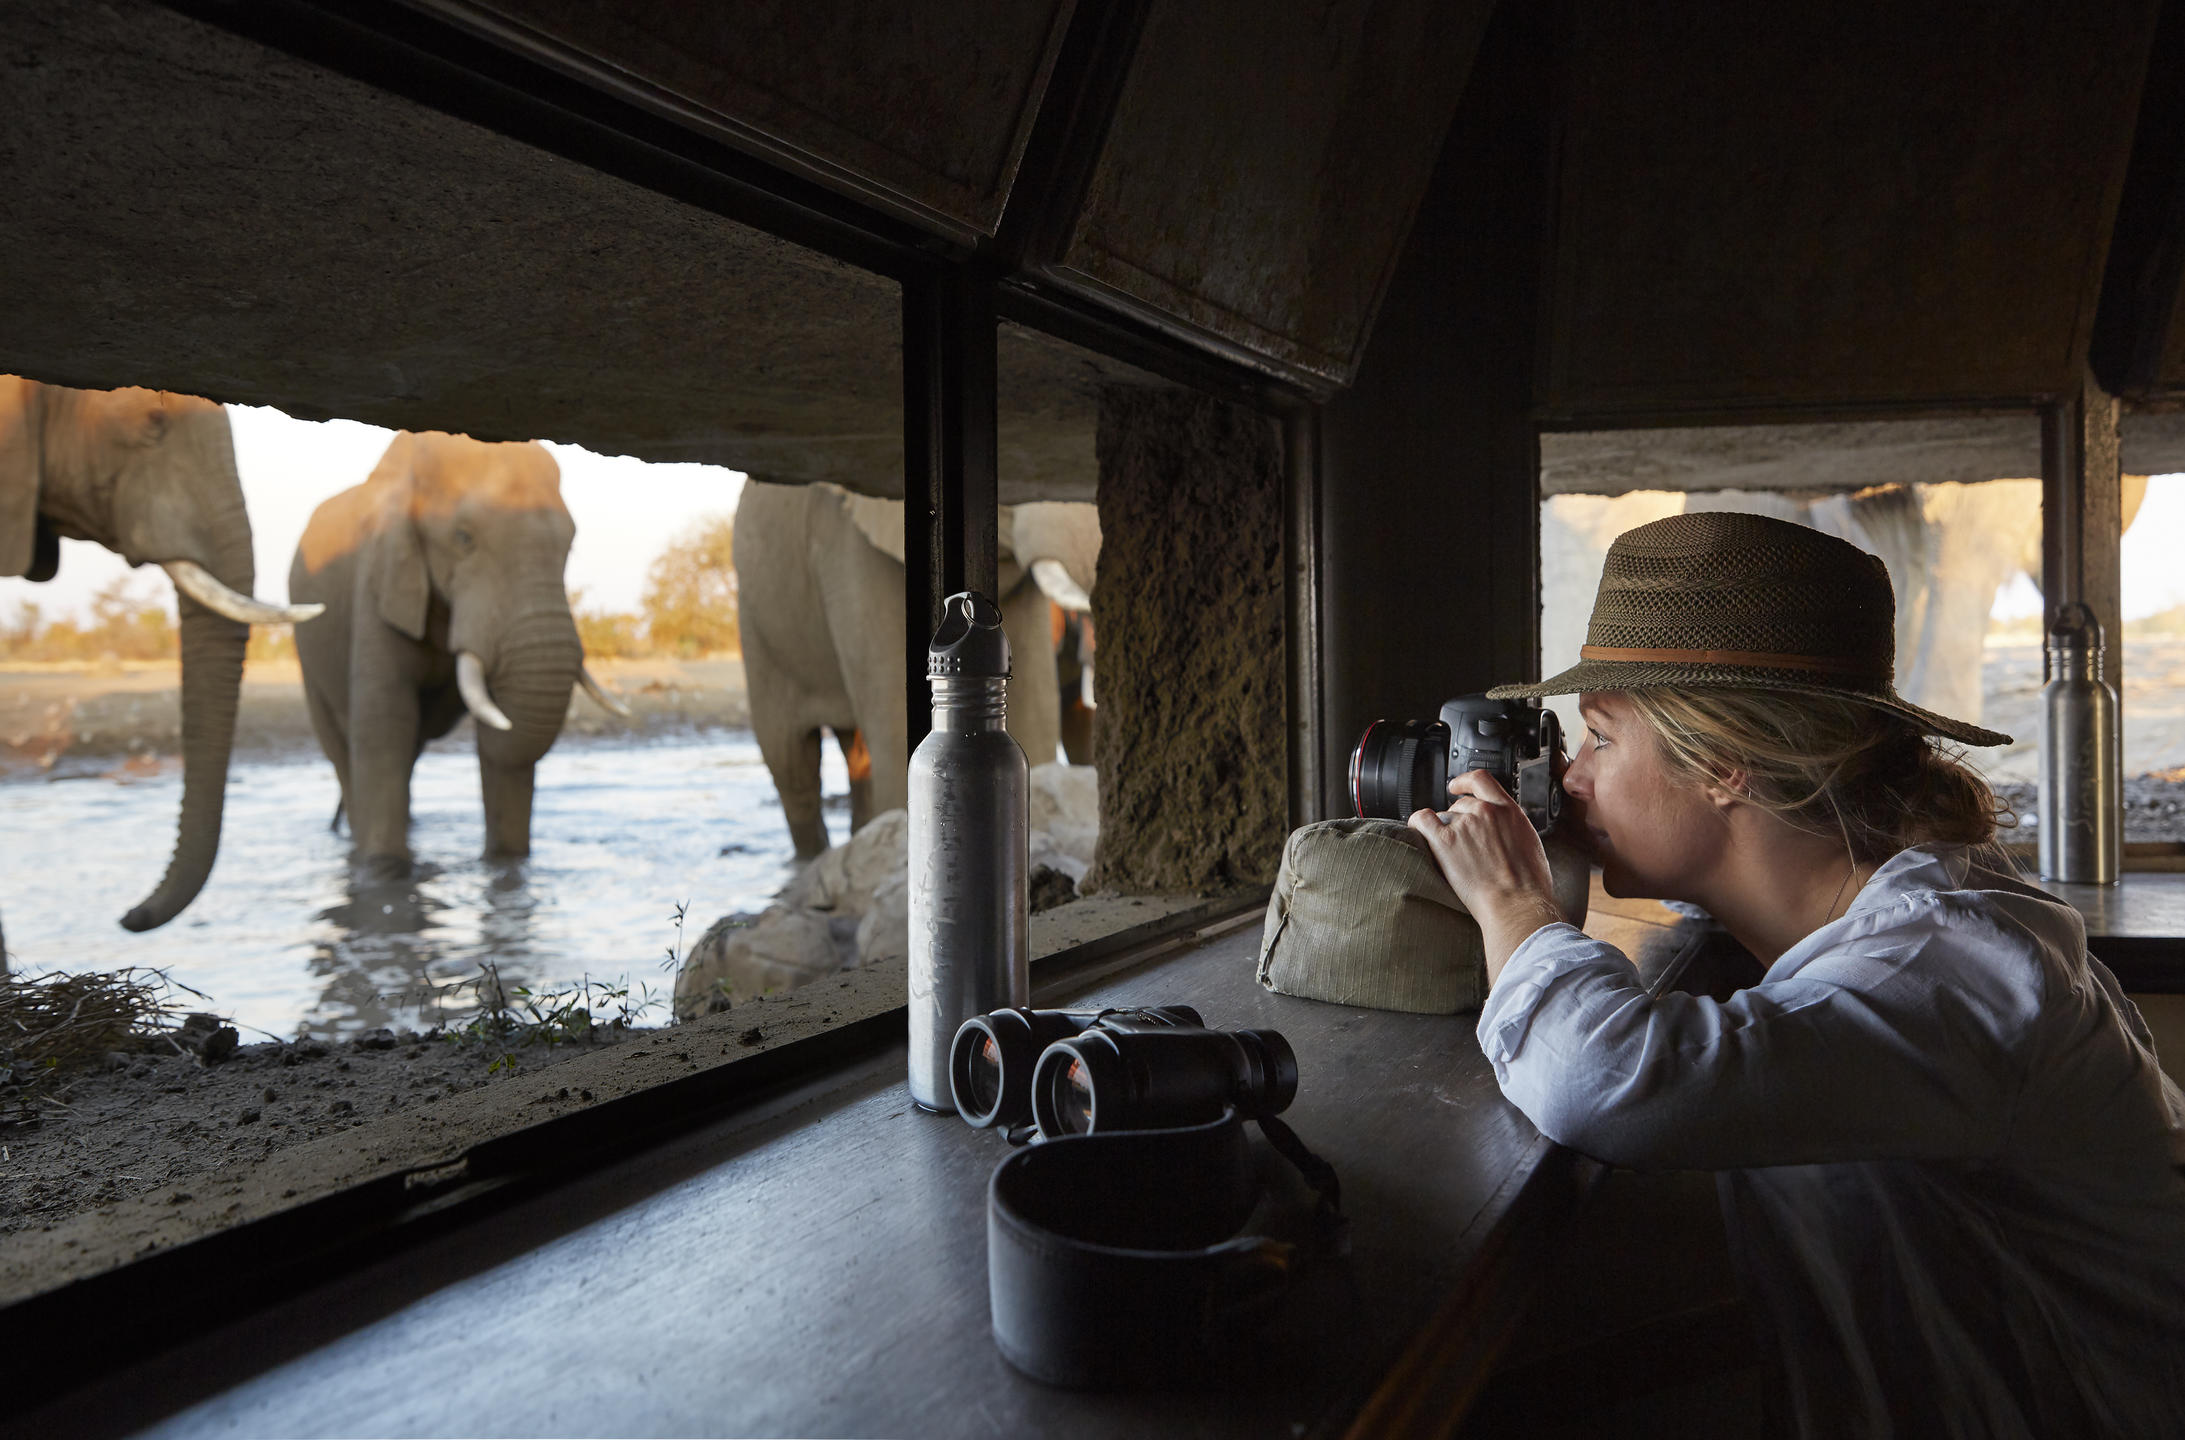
(1655,675)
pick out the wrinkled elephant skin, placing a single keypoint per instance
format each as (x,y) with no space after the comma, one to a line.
(152,477)
(448,558)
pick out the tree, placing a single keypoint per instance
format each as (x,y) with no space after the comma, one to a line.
(690,591)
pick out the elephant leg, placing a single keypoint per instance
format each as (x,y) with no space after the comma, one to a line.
(858,760)
(507,789)
(1035,707)
(792,758)
(326,724)
(382,748)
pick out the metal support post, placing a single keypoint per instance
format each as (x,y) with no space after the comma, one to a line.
(1301,611)
(951,538)
(2082,527)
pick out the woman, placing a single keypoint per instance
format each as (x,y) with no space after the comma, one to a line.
(1948,1159)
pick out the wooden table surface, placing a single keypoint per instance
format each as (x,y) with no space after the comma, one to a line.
(819,1267)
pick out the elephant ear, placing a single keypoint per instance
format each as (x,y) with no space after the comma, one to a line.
(879,521)
(400,584)
(21,475)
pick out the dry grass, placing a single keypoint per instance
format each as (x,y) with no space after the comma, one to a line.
(51,1025)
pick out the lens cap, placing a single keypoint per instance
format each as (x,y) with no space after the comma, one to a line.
(970,642)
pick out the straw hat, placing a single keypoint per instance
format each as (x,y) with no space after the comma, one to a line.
(1720,600)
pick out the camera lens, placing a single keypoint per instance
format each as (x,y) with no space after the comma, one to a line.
(1399,766)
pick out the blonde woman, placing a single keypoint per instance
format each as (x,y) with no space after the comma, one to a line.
(1948,1159)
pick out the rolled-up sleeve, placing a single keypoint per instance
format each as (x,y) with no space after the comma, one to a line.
(1850,1056)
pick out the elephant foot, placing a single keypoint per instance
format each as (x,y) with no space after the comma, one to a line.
(381,869)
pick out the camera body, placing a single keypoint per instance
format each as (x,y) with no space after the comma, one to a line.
(1405,765)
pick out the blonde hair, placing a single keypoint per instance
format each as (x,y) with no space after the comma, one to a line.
(1827,764)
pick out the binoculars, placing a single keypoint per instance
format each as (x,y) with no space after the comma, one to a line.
(1077,1072)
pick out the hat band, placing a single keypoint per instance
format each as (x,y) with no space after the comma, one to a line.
(1757,659)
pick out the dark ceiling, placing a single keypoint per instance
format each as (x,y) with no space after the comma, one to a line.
(1836,211)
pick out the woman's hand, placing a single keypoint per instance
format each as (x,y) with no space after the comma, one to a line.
(1491,856)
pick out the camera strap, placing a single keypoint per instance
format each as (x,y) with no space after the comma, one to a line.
(1117,1258)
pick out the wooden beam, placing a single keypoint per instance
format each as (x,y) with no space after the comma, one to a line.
(951,535)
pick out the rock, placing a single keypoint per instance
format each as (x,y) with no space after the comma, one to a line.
(1066,807)
(219,1045)
(884,933)
(248,1117)
(380,1039)
(741,957)
(845,878)
(1051,887)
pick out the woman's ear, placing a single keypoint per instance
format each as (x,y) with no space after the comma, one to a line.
(1729,788)
(22,475)
(401,587)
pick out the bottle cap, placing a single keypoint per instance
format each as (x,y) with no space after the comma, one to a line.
(970,642)
(2075,628)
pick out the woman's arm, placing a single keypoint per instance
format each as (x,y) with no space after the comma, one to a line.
(1873,1053)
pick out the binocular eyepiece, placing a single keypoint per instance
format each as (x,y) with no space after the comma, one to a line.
(1075,1072)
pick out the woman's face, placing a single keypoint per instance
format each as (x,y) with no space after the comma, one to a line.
(1654,835)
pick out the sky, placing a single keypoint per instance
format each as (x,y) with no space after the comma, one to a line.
(626,510)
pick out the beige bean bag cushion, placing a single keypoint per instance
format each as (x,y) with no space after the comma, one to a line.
(1362,916)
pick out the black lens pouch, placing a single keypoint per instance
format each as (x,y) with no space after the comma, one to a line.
(1115,1258)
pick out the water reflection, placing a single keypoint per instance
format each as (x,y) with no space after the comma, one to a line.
(284,936)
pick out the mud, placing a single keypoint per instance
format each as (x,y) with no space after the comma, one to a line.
(1188,604)
(155,1116)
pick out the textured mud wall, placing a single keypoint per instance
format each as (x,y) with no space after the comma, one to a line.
(1188,609)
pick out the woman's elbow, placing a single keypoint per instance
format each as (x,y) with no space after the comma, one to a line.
(1606,1127)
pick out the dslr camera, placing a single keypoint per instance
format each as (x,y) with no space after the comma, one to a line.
(1404,765)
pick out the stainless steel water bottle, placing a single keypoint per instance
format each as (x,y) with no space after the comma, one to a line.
(970,847)
(2082,755)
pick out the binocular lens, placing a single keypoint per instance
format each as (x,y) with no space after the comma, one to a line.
(1158,1077)
(1074,1102)
(982,1077)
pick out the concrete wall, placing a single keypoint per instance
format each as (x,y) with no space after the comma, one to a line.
(1188,608)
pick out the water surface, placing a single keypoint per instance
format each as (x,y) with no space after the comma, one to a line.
(284,938)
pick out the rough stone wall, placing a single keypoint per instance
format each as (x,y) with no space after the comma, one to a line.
(1189,665)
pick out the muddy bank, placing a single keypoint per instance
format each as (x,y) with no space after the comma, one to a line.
(2154,810)
(71,719)
(159,1115)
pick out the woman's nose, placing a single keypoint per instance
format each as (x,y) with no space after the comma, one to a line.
(1578,774)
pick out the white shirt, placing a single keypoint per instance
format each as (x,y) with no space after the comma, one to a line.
(1949,1159)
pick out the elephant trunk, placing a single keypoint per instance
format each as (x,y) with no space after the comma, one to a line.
(535,669)
(212,682)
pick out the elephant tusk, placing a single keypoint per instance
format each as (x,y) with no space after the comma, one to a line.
(1053,578)
(470,678)
(599,693)
(197,582)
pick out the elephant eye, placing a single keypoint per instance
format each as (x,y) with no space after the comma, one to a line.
(464,540)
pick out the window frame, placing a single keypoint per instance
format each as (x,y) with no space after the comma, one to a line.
(953,301)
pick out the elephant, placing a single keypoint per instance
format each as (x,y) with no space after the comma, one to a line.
(819,577)
(441,575)
(152,477)
(1948,547)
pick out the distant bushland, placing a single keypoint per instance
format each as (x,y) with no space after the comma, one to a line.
(688,608)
